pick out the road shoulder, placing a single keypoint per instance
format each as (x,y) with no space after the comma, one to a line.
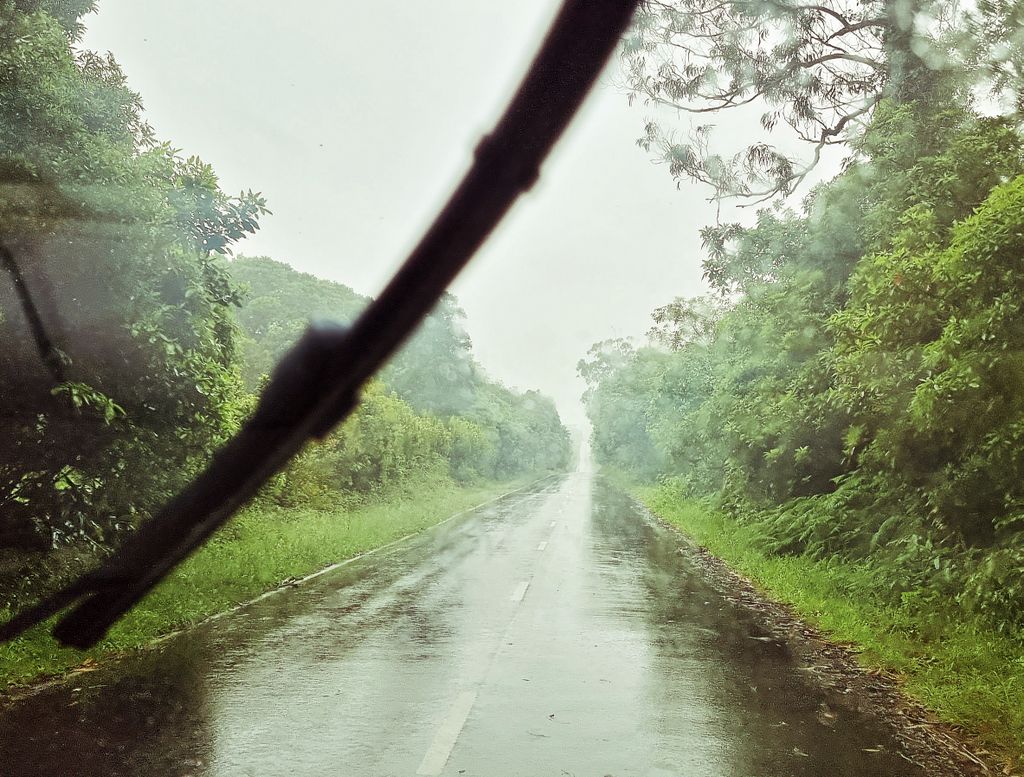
(938,748)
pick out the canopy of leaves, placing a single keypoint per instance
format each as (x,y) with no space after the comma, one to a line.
(816,71)
(278,304)
(112,239)
(435,373)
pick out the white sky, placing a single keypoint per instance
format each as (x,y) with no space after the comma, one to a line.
(355,120)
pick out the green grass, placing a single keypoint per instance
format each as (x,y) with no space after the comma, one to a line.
(966,674)
(254,553)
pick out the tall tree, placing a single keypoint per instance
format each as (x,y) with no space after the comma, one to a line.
(816,68)
(117,365)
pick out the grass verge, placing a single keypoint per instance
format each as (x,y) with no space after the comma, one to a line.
(966,674)
(254,553)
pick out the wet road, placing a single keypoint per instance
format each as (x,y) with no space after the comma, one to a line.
(554,632)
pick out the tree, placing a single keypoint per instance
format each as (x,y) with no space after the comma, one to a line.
(620,387)
(686,321)
(112,244)
(492,431)
(818,68)
(278,303)
(436,371)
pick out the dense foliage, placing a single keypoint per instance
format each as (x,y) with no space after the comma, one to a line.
(853,383)
(130,377)
(433,390)
(131,343)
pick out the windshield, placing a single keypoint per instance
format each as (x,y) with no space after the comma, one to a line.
(708,464)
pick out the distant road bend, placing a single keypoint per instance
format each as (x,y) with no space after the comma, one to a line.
(557,631)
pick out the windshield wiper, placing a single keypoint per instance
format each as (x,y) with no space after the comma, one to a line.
(315,386)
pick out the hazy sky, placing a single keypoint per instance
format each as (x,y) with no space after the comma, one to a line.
(355,120)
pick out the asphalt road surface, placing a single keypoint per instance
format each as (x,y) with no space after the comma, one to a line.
(557,631)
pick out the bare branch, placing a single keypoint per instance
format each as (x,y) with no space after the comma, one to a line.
(817,67)
(877,22)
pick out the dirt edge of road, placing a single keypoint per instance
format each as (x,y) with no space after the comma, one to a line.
(938,748)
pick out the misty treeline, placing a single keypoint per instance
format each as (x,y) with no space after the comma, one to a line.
(131,345)
(853,383)
(432,404)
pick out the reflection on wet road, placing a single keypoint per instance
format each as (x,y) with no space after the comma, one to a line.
(555,632)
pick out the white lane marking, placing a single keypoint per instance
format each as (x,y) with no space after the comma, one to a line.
(447,735)
(520,592)
(543,545)
(552,524)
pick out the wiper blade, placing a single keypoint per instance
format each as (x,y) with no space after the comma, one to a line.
(316,384)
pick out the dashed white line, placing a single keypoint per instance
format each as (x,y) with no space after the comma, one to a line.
(447,735)
(543,545)
(520,592)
